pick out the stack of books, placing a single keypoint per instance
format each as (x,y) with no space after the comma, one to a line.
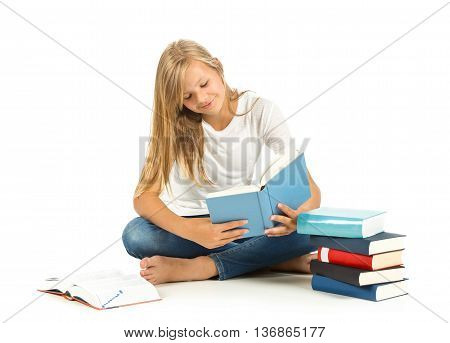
(356,257)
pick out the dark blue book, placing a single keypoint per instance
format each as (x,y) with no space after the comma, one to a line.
(377,244)
(285,181)
(356,276)
(372,292)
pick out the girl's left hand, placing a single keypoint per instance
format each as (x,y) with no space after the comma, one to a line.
(289,222)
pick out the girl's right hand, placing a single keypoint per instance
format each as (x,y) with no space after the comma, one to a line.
(202,231)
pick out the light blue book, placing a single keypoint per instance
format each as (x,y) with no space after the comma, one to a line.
(341,222)
(285,181)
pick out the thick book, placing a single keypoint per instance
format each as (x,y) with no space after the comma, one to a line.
(379,243)
(355,276)
(101,290)
(371,292)
(285,181)
(341,222)
(368,262)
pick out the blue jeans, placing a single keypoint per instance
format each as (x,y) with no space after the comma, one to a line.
(142,238)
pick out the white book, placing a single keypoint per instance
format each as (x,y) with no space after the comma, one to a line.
(103,289)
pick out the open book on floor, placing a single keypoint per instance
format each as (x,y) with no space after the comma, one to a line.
(104,289)
(285,181)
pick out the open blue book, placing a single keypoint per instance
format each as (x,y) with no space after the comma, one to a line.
(285,181)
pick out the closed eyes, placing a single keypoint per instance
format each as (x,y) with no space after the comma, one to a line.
(203,85)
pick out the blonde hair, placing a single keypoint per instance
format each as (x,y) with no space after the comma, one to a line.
(177,132)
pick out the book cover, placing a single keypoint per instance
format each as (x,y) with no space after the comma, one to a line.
(286,181)
(376,292)
(379,243)
(368,262)
(341,222)
(355,276)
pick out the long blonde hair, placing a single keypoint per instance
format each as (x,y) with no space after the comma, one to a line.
(177,132)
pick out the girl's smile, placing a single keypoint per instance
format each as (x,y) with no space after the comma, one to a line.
(208,106)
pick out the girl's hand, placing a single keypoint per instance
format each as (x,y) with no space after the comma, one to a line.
(289,222)
(202,231)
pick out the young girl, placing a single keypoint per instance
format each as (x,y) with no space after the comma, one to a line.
(202,127)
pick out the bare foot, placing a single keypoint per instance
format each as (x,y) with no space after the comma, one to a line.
(300,264)
(161,269)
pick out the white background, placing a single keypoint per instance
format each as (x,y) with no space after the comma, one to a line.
(70,156)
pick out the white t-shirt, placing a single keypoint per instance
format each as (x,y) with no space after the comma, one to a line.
(231,155)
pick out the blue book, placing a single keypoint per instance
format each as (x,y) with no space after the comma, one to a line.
(285,181)
(375,292)
(341,222)
(380,243)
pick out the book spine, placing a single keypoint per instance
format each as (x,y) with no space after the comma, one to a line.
(266,209)
(344,258)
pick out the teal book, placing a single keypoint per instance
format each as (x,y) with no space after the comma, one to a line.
(341,222)
(285,181)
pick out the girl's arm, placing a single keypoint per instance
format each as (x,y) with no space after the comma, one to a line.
(149,206)
(314,201)
(199,230)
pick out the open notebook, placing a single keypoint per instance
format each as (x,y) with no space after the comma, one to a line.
(285,180)
(104,289)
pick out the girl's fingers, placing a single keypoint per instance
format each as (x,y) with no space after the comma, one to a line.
(233,233)
(287,210)
(278,231)
(232,236)
(279,235)
(231,225)
(229,240)
(280,219)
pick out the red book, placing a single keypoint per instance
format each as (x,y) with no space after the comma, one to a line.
(367,262)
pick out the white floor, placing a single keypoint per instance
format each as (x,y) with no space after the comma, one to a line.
(256,300)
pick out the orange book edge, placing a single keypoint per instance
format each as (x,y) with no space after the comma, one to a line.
(70,298)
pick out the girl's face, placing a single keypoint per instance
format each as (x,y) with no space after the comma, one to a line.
(203,89)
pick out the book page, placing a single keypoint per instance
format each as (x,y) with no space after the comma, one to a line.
(96,276)
(63,284)
(123,290)
(98,284)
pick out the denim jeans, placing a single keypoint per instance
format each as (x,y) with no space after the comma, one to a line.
(142,238)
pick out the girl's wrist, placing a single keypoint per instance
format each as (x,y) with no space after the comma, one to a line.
(183,226)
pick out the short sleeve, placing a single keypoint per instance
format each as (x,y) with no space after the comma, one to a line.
(277,135)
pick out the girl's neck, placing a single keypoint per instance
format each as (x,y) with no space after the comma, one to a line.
(220,121)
